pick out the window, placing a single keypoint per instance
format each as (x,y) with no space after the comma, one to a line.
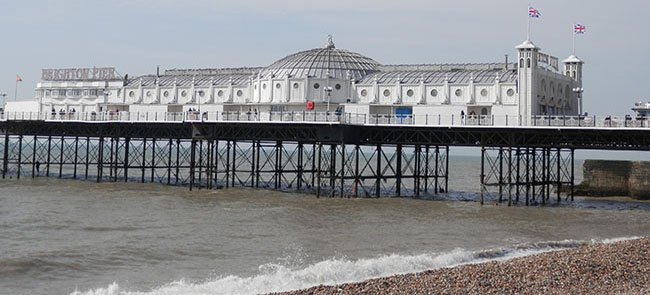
(278,85)
(484,92)
(264,86)
(528,63)
(148,93)
(364,92)
(484,112)
(458,92)
(386,92)
(409,93)
(62,92)
(337,86)
(47,92)
(567,92)
(434,93)
(521,63)
(316,85)
(220,93)
(240,93)
(183,93)
(166,93)
(131,94)
(295,85)
(510,92)
(201,93)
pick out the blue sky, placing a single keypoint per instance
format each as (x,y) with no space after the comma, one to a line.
(135,36)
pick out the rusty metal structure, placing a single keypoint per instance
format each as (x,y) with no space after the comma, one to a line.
(327,159)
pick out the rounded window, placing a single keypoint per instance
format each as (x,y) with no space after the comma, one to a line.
(364,92)
(220,93)
(409,93)
(183,93)
(316,85)
(240,93)
(337,86)
(567,92)
(278,85)
(458,92)
(263,86)
(510,92)
(295,85)
(201,93)
(166,93)
(484,92)
(434,93)
(386,92)
(131,94)
(148,93)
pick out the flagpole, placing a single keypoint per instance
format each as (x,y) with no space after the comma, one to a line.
(528,28)
(574,40)
(16,91)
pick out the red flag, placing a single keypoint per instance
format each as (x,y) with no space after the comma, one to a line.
(18,79)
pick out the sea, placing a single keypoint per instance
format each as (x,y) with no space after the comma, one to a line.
(62,236)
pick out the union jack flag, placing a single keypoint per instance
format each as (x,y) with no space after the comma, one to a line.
(532,12)
(579,29)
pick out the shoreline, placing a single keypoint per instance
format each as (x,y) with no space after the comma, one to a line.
(621,267)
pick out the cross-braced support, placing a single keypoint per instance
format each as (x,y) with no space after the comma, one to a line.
(536,173)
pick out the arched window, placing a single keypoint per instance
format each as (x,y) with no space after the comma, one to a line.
(521,63)
(528,63)
(567,92)
(575,75)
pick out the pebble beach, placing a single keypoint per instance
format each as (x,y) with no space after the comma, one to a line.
(607,268)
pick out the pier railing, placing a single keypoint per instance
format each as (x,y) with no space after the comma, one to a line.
(345,118)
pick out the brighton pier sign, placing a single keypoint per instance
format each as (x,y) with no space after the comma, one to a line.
(83,74)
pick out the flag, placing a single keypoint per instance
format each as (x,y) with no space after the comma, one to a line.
(579,29)
(18,79)
(534,13)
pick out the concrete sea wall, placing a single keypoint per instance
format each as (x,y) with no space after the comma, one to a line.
(616,178)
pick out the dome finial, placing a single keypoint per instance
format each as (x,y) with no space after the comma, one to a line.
(330,43)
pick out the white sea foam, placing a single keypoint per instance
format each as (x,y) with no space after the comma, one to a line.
(276,277)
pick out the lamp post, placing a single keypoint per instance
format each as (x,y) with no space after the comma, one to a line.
(4,96)
(328,90)
(578,91)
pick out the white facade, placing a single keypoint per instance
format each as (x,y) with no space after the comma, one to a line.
(331,77)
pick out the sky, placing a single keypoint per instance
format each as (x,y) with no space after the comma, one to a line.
(136,36)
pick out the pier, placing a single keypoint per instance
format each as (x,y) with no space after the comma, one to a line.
(323,154)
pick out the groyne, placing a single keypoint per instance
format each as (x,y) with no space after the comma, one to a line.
(616,178)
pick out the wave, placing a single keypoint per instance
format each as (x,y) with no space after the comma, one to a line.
(276,277)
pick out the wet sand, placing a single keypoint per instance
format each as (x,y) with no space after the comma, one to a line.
(611,268)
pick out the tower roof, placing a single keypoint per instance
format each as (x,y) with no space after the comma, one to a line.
(527,45)
(572,59)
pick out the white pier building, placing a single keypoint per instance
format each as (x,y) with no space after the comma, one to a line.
(533,84)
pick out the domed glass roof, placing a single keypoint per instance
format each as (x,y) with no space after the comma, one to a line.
(318,62)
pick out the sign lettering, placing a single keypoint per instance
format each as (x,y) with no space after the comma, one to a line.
(83,74)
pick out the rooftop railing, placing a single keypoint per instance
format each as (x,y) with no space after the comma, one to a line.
(335,118)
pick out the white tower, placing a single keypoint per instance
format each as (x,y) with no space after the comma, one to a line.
(526,66)
(573,69)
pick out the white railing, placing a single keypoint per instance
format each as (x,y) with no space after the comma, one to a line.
(333,117)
